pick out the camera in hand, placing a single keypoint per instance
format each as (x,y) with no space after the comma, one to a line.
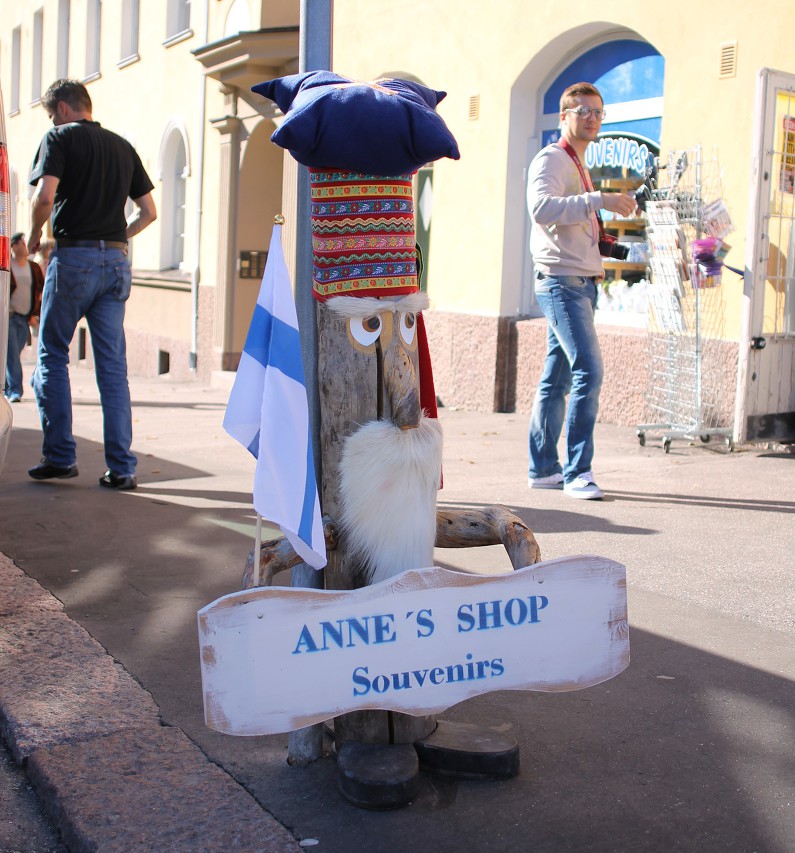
(645,192)
(609,247)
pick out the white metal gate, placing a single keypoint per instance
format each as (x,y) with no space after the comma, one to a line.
(766,379)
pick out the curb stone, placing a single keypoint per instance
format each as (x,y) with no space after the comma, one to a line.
(109,775)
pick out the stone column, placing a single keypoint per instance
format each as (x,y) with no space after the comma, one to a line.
(229,126)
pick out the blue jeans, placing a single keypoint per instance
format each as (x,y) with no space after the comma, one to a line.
(93,283)
(573,366)
(17,338)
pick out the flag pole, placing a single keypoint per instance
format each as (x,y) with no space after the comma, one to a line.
(258,556)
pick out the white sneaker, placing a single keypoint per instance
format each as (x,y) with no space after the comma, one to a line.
(583,488)
(553,481)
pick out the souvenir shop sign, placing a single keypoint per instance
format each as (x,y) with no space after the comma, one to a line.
(276,659)
(618,152)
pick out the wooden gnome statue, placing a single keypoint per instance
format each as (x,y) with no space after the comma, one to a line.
(381,443)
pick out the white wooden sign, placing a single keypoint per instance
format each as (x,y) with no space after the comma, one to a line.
(275,659)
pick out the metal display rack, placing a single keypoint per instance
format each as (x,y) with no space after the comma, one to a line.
(684,308)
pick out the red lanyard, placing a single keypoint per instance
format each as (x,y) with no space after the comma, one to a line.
(586,179)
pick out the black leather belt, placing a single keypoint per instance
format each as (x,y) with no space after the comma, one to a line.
(65,243)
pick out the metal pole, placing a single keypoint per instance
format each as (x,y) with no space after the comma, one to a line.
(195,277)
(697,216)
(305,745)
(314,55)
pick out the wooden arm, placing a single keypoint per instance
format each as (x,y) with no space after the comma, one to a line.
(465,528)
(277,555)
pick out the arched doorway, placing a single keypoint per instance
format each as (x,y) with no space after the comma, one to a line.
(629,72)
(630,75)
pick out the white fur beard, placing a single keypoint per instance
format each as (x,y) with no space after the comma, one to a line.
(388,483)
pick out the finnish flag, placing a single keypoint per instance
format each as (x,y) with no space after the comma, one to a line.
(268,414)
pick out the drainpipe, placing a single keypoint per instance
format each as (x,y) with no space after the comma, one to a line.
(195,276)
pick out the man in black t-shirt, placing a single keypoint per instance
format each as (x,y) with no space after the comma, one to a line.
(83,176)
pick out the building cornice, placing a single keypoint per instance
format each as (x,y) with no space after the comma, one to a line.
(249,57)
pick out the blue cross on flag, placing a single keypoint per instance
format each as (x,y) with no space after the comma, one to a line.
(268,414)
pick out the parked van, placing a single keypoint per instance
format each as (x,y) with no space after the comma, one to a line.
(6,418)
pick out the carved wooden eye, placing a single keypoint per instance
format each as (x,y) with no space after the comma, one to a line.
(408,327)
(365,330)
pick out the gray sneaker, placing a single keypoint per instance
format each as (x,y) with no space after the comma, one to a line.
(553,481)
(583,488)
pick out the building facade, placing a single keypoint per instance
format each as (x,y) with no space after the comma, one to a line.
(174,76)
(678,78)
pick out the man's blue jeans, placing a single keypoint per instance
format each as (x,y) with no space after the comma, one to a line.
(93,283)
(573,366)
(17,338)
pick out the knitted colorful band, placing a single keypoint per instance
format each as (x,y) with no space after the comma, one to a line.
(363,235)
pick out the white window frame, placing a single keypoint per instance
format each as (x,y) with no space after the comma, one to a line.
(16,55)
(93,33)
(62,50)
(178,15)
(37,52)
(129,32)
(174,194)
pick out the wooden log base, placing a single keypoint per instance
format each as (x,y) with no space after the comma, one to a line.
(381,727)
(378,776)
(467,751)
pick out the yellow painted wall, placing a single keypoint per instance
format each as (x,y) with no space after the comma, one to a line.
(141,100)
(509,59)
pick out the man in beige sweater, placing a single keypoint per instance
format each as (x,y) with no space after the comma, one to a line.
(564,243)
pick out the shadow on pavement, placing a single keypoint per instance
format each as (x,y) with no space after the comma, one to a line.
(703,500)
(668,756)
(157,404)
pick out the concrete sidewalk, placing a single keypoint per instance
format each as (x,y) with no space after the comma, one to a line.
(100,694)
